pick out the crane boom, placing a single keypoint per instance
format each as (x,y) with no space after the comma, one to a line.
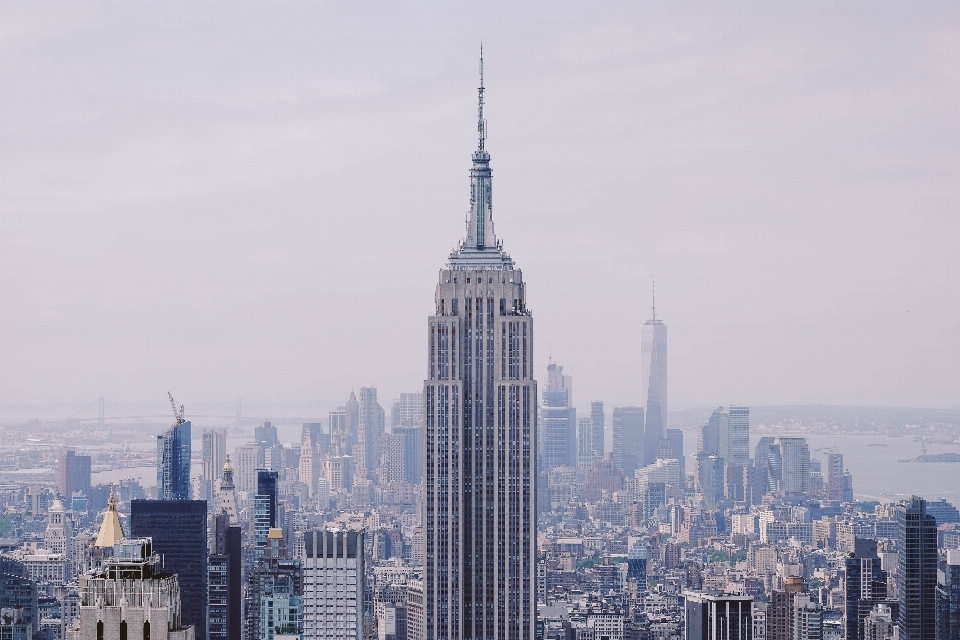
(178,414)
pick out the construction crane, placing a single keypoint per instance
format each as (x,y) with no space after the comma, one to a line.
(178,414)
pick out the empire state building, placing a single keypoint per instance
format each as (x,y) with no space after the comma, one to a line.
(480,402)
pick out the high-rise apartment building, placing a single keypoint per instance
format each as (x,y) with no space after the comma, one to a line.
(333,585)
(596,414)
(653,383)
(480,508)
(916,570)
(866,585)
(178,529)
(794,456)
(627,452)
(807,618)
(558,421)
(173,462)
(73,474)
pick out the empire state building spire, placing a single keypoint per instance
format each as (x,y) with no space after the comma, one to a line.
(480,247)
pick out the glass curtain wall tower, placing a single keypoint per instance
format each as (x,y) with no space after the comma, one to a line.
(480,409)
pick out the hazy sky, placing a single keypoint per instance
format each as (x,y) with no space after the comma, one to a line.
(255,199)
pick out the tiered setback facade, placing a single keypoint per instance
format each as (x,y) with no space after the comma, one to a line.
(480,409)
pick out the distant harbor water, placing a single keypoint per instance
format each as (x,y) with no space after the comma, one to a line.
(878,474)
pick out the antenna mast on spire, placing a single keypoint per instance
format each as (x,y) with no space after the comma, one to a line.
(654,298)
(481,123)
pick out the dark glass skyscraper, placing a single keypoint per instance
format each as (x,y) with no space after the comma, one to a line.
(224,582)
(179,532)
(173,463)
(948,596)
(866,585)
(480,410)
(916,570)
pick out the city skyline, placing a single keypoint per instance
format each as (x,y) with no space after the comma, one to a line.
(821,280)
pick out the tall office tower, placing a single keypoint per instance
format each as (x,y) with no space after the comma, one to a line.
(738,430)
(558,421)
(309,466)
(73,474)
(370,428)
(266,435)
(627,452)
(224,581)
(214,453)
(718,617)
(338,466)
(412,452)
(333,581)
(866,585)
(133,597)
(173,462)
(708,440)
(352,425)
(710,479)
(916,570)
(596,414)
(58,537)
(653,382)
(948,596)
(835,476)
(807,618)
(409,410)
(179,532)
(248,458)
(795,466)
(675,438)
(480,403)
(780,618)
(227,494)
(264,507)
(585,454)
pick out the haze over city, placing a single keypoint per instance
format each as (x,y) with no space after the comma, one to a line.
(254,201)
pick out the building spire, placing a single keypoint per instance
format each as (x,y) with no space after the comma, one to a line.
(654,298)
(481,123)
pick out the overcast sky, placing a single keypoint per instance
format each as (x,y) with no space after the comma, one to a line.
(255,199)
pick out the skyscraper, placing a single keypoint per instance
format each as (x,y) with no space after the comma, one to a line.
(738,434)
(653,383)
(214,453)
(558,421)
(173,462)
(179,532)
(585,454)
(916,570)
(596,413)
(627,452)
(481,437)
(224,583)
(370,428)
(717,617)
(866,585)
(948,596)
(794,477)
(333,584)
(73,474)
(264,507)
